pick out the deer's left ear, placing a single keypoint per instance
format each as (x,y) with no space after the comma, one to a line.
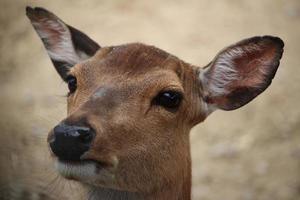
(240,72)
(65,45)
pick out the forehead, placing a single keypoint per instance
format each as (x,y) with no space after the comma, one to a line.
(131,63)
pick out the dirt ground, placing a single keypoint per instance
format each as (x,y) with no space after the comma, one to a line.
(249,154)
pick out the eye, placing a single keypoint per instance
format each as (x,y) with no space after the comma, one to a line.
(72,83)
(168,99)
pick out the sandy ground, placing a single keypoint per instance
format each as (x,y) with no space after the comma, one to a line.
(249,154)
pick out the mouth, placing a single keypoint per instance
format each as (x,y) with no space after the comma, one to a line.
(78,170)
(86,171)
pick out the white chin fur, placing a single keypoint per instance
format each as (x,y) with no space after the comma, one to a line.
(81,171)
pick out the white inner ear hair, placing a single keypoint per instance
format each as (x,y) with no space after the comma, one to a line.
(221,73)
(57,40)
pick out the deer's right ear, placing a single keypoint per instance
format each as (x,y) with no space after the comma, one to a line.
(65,45)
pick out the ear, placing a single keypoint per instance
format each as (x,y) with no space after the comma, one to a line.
(240,72)
(65,45)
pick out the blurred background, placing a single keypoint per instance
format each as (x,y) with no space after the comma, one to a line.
(249,154)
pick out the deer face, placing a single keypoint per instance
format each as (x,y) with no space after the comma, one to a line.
(131,107)
(135,113)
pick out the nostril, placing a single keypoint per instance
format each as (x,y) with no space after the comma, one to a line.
(86,136)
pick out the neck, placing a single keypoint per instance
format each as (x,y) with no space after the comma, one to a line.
(110,194)
(181,190)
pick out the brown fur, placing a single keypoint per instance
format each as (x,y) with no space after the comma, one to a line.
(143,136)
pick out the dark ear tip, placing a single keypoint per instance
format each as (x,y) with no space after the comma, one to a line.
(29,10)
(40,9)
(35,12)
(278,41)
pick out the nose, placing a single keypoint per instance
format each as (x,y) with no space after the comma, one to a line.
(69,143)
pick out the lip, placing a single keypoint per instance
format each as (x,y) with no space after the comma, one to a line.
(80,162)
(97,164)
(78,170)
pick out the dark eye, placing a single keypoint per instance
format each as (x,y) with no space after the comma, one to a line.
(168,99)
(72,83)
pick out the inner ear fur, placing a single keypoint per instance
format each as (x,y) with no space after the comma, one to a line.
(241,71)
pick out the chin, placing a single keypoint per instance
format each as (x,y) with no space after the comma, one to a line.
(87,172)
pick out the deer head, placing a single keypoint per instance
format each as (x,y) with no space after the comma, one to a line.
(131,107)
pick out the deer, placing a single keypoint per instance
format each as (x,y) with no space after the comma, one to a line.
(130,107)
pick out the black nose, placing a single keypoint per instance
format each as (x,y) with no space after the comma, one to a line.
(70,142)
